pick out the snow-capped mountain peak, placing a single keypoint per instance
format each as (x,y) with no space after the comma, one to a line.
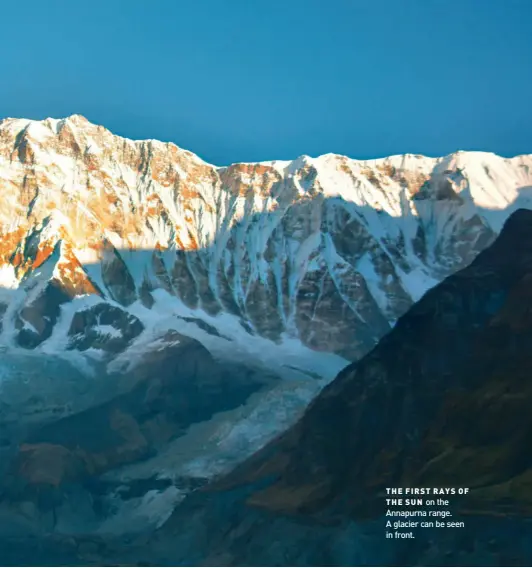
(328,250)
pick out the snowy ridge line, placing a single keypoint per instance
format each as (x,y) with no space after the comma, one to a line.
(279,244)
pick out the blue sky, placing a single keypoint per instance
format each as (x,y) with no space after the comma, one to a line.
(246,80)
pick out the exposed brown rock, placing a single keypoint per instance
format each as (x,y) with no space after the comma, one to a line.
(48,464)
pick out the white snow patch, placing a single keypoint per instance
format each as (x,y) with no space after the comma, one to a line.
(108,330)
(366,267)
(8,279)
(416,282)
(234,345)
(150,511)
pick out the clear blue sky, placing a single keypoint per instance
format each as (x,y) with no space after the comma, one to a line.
(245,80)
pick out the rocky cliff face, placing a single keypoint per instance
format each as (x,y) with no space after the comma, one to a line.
(329,251)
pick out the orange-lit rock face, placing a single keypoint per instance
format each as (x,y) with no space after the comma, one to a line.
(244,179)
(73,277)
(101,182)
(44,250)
(9,241)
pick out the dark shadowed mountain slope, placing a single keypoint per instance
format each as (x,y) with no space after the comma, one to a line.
(443,401)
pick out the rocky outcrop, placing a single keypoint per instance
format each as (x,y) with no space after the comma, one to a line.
(35,321)
(104,327)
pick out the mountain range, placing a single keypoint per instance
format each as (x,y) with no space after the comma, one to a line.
(163,319)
